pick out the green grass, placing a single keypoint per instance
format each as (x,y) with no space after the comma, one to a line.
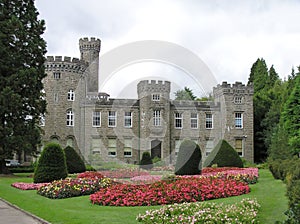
(270,194)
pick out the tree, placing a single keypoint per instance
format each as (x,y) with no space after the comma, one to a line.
(22,51)
(74,162)
(185,94)
(51,165)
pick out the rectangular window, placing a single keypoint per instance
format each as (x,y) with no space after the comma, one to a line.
(96,145)
(112,118)
(128,119)
(208,121)
(96,119)
(127,148)
(209,146)
(70,118)
(178,120)
(194,120)
(156,118)
(155,97)
(112,147)
(237,99)
(71,95)
(239,146)
(177,145)
(56,75)
(238,120)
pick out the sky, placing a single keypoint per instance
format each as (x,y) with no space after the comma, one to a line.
(228,36)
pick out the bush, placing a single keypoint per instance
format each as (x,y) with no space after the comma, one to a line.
(51,165)
(146,162)
(189,159)
(74,162)
(224,156)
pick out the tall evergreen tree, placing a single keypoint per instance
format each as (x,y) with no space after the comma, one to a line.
(22,51)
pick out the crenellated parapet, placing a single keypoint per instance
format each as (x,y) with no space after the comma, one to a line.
(147,87)
(235,88)
(86,44)
(66,64)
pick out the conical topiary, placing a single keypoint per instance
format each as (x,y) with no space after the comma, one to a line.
(51,165)
(74,162)
(146,162)
(223,155)
(189,159)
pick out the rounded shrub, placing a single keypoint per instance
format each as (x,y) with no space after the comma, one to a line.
(75,163)
(51,165)
(188,159)
(146,162)
(224,156)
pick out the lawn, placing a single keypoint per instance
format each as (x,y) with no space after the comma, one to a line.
(270,194)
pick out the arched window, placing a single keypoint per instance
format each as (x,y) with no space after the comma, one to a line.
(70,142)
(71,95)
(70,118)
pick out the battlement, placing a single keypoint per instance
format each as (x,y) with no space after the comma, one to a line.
(89,44)
(66,64)
(237,87)
(147,87)
(195,104)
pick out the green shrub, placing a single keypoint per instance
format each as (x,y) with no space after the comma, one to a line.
(224,156)
(74,162)
(189,159)
(51,165)
(146,162)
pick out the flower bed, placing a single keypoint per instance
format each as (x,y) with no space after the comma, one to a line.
(28,186)
(241,212)
(73,187)
(146,179)
(114,174)
(190,189)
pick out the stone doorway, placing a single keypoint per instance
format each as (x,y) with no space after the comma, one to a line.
(155,149)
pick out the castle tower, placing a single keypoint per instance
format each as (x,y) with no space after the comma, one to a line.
(89,52)
(236,116)
(154,99)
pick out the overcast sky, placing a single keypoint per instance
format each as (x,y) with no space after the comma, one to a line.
(228,36)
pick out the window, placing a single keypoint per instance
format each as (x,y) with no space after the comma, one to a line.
(96,119)
(237,99)
(70,118)
(177,145)
(239,146)
(208,121)
(55,97)
(238,120)
(155,97)
(128,119)
(56,75)
(127,148)
(178,120)
(112,147)
(70,142)
(71,95)
(156,118)
(96,146)
(209,146)
(194,120)
(112,118)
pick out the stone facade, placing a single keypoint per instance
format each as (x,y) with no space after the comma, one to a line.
(122,129)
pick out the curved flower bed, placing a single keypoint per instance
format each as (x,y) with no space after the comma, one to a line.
(73,187)
(28,186)
(241,212)
(190,189)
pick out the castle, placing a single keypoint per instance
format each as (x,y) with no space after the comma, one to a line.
(122,129)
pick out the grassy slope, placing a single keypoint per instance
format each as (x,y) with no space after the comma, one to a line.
(269,192)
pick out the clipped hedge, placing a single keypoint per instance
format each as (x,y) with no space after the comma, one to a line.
(189,159)
(74,162)
(224,156)
(146,162)
(51,165)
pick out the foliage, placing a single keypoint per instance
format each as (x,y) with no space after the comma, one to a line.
(185,94)
(245,211)
(21,72)
(146,161)
(190,189)
(51,165)
(73,187)
(189,159)
(74,162)
(224,156)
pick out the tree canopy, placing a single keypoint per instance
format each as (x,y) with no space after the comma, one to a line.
(22,51)
(185,94)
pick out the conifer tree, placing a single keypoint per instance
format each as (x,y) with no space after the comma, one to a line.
(22,51)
